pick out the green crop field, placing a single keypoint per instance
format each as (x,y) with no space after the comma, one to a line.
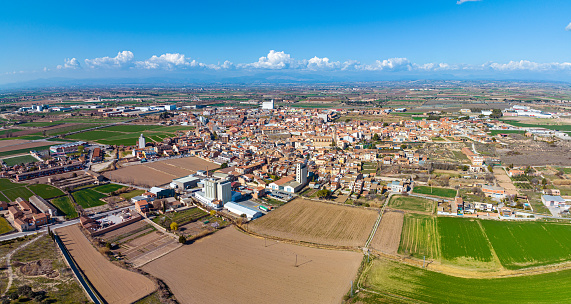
(130,195)
(419,236)
(496,132)
(132,128)
(88,198)
(540,124)
(14,193)
(420,285)
(442,192)
(5,226)
(108,188)
(94,135)
(45,191)
(65,206)
(180,218)
(411,203)
(6,184)
(24,159)
(529,244)
(463,240)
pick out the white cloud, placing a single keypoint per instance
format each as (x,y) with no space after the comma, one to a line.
(274,61)
(463,1)
(391,64)
(72,63)
(166,61)
(568,27)
(123,59)
(317,63)
(526,65)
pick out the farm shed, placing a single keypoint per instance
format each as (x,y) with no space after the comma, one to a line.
(185,182)
(553,201)
(240,209)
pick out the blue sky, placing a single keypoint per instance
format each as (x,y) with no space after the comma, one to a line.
(424,37)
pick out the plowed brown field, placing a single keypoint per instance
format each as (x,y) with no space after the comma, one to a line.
(387,238)
(114,284)
(232,267)
(320,223)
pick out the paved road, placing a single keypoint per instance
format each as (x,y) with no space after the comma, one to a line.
(56,226)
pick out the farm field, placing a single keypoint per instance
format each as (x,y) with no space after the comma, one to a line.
(419,236)
(24,159)
(159,172)
(130,195)
(387,237)
(14,193)
(528,244)
(322,276)
(505,181)
(496,132)
(5,226)
(88,198)
(411,203)
(180,217)
(108,188)
(45,191)
(116,285)
(420,285)
(126,135)
(65,205)
(463,241)
(442,192)
(315,222)
(25,148)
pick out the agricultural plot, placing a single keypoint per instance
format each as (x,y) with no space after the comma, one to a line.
(5,226)
(45,191)
(419,236)
(420,285)
(88,198)
(65,206)
(528,244)
(387,238)
(115,284)
(463,241)
(315,222)
(411,203)
(25,148)
(261,272)
(436,191)
(130,195)
(159,172)
(14,193)
(180,217)
(108,188)
(19,160)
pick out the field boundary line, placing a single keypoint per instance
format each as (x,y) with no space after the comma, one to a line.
(296,242)
(494,254)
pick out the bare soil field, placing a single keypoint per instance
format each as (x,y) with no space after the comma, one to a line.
(387,238)
(232,267)
(140,175)
(17,144)
(159,172)
(191,163)
(505,181)
(115,284)
(320,223)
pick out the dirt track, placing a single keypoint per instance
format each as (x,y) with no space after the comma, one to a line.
(387,238)
(319,223)
(232,267)
(115,284)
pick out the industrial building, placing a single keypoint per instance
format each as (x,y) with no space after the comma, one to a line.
(239,209)
(268,105)
(215,193)
(184,183)
(63,149)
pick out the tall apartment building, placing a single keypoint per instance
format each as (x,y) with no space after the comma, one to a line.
(301,173)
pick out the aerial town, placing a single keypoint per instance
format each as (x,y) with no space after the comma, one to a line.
(148,202)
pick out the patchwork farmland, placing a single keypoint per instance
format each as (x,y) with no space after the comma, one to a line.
(319,223)
(253,271)
(116,285)
(435,191)
(388,235)
(411,203)
(419,236)
(410,284)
